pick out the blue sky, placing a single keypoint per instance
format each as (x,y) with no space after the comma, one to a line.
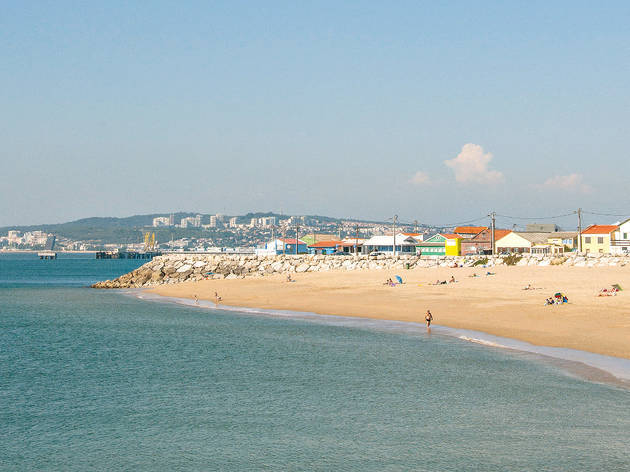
(346,109)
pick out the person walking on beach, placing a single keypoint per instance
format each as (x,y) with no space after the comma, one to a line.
(196,300)
(428,318)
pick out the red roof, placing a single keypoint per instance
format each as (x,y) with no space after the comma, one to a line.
(470,229)
(499,233)
(323,244)
(291,241)
(412,234)
(600,229)
(451,236)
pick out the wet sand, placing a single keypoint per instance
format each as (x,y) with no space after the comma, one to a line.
(494,304)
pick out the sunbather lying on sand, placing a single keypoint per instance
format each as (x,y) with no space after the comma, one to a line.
(608,292)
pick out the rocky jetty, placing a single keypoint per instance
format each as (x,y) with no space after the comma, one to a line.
(175,268)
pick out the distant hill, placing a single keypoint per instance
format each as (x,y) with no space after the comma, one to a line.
(129,229)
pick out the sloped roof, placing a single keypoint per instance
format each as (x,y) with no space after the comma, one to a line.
(498,234)
(323,244)
(429,241)
(389,241)
(563,234)
(290,241)
(600,229)
(469,229)
(534,237)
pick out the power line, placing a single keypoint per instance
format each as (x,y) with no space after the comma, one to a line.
(537,217)
(604,214)
(460,223)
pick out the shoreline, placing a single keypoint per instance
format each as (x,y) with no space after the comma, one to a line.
(609,370)
(496,304)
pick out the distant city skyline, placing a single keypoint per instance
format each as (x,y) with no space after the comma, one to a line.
(430,111)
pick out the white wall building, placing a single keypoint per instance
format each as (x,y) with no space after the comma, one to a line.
(620,244)
(161,221)
(385,244)
(190,221)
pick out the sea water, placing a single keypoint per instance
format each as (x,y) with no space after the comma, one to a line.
(100,380)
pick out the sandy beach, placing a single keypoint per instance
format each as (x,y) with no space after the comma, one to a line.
(495,304)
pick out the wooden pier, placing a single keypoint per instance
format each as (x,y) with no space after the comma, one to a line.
(127,254)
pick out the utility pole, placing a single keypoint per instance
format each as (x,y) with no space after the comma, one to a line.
(494,224)
(579,214)
(297,232)
(394,232)
(356,241)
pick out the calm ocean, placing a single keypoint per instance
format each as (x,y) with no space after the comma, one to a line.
(101,380)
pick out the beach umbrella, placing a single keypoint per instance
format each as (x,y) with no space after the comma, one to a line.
(558,295)
(618,287)
(399,278)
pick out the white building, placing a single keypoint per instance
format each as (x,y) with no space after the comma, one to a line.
(524,242)
(620,244)
(233,221)
(417,236)
(192,221)
(162,221)
(14,237)
(385,244)
(267,221)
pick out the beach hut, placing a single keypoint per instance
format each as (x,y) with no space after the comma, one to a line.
(441,244)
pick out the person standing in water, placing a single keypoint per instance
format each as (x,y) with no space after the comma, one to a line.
(428,318)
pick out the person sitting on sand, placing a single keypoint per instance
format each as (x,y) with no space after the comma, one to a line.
(452,281)
(474,275)
(289,279)
(528,287)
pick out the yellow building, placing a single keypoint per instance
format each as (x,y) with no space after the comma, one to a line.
(452,245)
(566,239)
(598,238)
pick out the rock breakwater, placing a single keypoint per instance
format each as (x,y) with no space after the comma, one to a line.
(175,268)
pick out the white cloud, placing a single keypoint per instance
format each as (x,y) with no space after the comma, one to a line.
(471,165)
(572,182)
(419,178)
